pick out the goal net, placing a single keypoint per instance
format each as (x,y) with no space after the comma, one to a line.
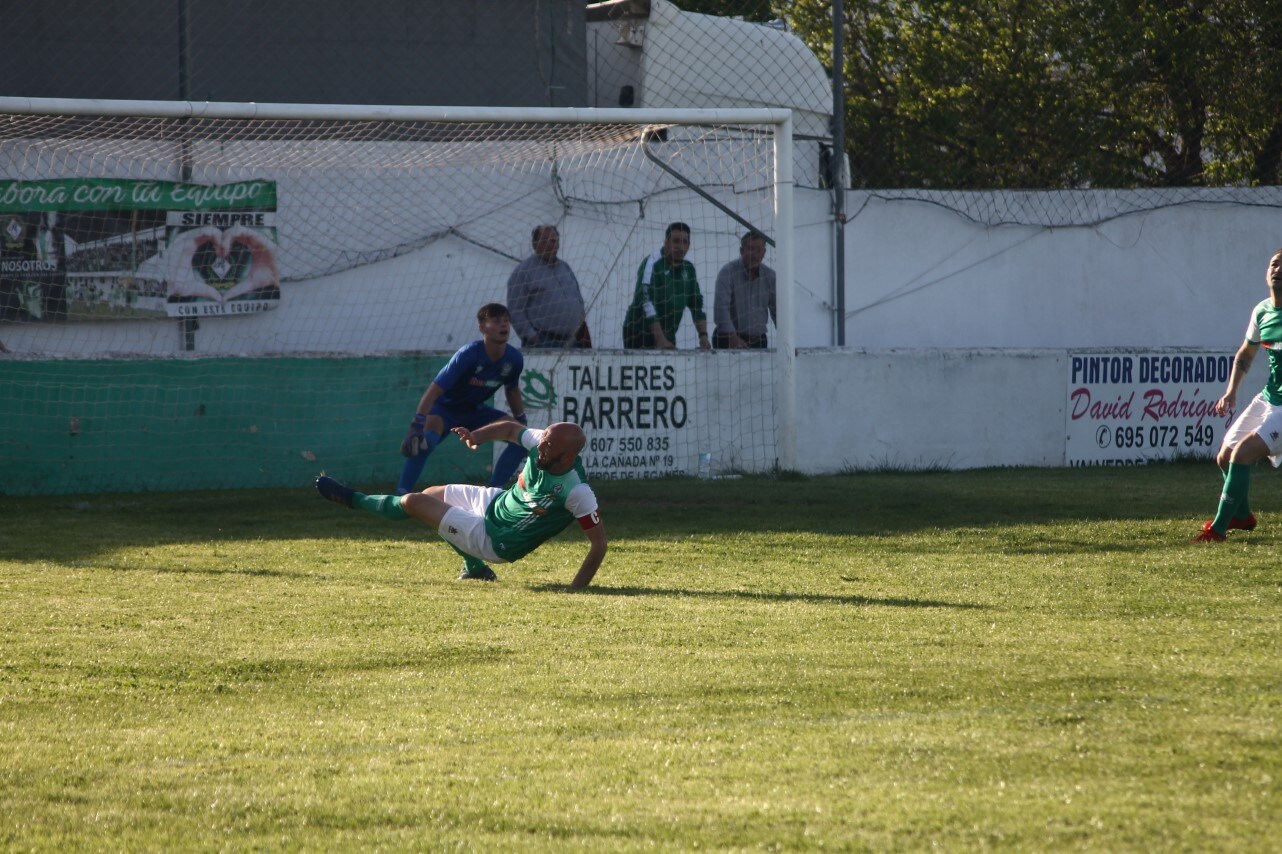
(224,295)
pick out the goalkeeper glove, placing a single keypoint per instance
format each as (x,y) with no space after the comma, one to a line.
(415,443)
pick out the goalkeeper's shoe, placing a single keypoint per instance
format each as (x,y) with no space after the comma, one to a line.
(1209,534)
(483,573)
(332,490)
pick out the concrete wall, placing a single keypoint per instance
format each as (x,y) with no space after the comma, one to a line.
(961,333)
(922,408)
(918,274)
(963,311)
(945,408)
(1176,268)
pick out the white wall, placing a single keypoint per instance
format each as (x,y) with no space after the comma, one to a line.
(959,333)
(922,274)
(926,408)
(917,275)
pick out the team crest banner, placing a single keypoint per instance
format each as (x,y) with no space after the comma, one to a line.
(83,249)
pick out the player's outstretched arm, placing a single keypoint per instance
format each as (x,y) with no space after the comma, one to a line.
(498,431)
(597,547)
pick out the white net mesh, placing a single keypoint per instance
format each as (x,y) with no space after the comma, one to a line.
(250,238)
(454,203)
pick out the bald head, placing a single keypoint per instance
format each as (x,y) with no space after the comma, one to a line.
(560,446)
(570,435)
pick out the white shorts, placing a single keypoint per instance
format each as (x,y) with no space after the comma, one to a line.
(463,525)
(1262,418)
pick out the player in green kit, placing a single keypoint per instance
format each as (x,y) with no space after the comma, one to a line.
(502,525)
(1257,432)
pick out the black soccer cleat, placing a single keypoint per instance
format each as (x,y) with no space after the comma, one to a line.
(332,490)
(482,574)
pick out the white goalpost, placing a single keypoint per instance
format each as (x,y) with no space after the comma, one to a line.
(273,285)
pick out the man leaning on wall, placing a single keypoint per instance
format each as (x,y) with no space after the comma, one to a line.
(744,301)
(544,298)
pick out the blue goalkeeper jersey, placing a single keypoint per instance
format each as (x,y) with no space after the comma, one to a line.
(470,379)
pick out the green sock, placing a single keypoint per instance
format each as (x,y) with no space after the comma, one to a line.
(387,506)
(1243,508)
(470,563)
(1233,501)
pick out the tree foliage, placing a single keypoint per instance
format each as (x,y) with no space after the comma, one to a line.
(1055,93)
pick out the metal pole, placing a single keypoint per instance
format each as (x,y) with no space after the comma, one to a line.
(785,309)
(187,326)
(838,170)
(184,85)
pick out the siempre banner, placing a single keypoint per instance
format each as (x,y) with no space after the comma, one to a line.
(1128,409)
(77,249)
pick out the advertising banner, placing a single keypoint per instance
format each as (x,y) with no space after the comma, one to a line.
(77,249)
(1133,408)
(688,413)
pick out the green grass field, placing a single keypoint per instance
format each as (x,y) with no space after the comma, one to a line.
(1022,660)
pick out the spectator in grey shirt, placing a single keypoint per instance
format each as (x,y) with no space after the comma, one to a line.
(745,298)
(544,299)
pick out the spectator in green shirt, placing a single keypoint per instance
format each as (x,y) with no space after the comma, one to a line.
(666,287)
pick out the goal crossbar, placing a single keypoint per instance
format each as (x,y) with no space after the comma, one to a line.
(409,113)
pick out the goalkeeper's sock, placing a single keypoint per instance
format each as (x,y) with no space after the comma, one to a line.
(1233,501)
(413,468)
(387,506)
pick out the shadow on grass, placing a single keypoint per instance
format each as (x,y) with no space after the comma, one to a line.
(756,596)
(889,504)
(204,570)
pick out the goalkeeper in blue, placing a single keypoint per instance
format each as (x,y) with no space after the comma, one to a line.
(487,524)
(460,395)
(1256,432)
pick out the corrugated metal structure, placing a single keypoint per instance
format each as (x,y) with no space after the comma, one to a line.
(441,53)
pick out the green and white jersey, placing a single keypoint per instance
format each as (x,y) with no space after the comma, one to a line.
(663,294)
(1266,328)
(538,506)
